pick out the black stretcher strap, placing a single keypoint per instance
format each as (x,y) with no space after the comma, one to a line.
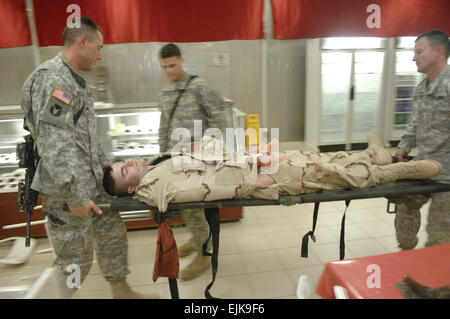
(305,240)
(342,239)
(304,252)
(213,217)
(173,286)
(180,93)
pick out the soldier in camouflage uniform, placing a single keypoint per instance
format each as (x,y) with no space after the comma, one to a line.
(185,100)
(429,131)
(59,112)
(216,173)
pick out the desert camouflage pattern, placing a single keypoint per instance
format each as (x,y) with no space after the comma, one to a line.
(198,102)
(70,170)
(185,178)
(207,175)
(301,172)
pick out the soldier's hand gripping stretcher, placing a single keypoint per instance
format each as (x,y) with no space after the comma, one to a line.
(85,210)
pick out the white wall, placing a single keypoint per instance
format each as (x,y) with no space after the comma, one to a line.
(135,76)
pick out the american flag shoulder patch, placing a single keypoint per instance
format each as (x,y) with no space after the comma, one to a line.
(62,95)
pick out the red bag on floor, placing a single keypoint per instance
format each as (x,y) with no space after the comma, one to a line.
(166,260)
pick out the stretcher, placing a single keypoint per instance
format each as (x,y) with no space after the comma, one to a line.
(389,190)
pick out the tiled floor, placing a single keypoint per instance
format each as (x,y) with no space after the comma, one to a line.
(259,255)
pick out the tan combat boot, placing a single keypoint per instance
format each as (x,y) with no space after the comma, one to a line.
(380,155)
(121,290)
(408,170)
(186,249)
(196,267)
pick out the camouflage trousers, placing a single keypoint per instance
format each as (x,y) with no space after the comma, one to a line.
(408,217)
(74,240)
(198,225)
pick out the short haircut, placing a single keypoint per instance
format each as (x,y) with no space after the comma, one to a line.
(169,50)
(436,38)
(109,184)
(88,27)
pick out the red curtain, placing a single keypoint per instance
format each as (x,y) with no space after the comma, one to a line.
(14,30)
(125,21)
(328,18)
(205,20)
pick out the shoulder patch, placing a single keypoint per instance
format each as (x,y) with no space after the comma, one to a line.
(62,95)
(55,112)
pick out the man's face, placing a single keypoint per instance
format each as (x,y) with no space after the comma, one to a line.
(173,67)
(92,52)
(425,55)
(127,175)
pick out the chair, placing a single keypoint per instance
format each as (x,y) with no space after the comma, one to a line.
(19,253)
(304,290)
(340,292)
(45,287)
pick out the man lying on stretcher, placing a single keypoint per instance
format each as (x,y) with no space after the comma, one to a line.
(211,172)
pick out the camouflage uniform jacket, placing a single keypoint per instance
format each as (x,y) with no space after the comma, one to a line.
(198,102)
(429,129)
(215,172)
(71,161)
(199,176)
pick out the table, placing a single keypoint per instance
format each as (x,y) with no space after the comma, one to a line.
(374,277)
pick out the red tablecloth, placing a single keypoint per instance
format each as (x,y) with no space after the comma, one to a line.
(374,277)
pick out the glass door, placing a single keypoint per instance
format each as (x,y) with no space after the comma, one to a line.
(336,84)
(352,81)
(406,79)
(368,71)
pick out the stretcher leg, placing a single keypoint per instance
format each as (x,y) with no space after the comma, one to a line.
(213,217)
(173,286)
